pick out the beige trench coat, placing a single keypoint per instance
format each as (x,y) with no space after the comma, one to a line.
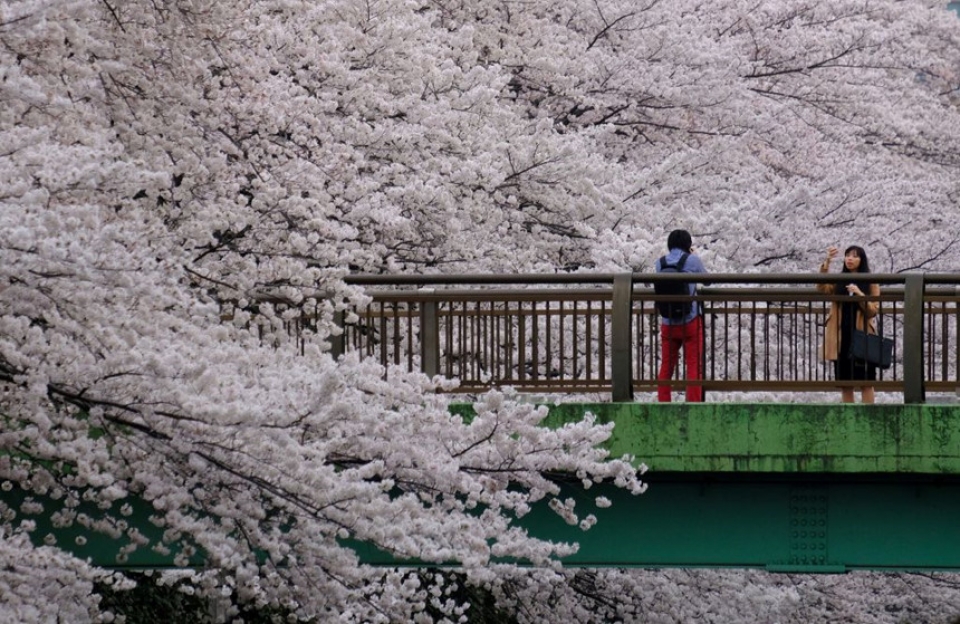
(865,317)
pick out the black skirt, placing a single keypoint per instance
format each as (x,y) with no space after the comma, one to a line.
(846,368)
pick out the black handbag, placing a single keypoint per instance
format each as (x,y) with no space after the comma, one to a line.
(872,349)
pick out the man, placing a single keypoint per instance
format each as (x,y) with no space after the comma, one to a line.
(681,323)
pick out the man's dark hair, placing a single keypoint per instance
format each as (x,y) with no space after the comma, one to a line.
(680,239)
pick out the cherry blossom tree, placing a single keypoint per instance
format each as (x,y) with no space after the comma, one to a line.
(834,120)
(719,596)
(181,180)
(141,205)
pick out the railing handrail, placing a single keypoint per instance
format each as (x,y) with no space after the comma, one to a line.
(365,279)
(703,292)
(623,298)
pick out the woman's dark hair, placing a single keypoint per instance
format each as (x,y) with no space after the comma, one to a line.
(864,263)
(864,267)
(679,239)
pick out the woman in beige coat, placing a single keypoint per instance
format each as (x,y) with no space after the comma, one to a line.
(845,316)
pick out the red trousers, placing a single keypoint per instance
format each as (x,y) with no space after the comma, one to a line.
(689,336)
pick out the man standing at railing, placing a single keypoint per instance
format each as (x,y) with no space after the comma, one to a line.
(681,322)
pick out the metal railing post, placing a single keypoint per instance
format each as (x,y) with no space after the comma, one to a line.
(338,341)
(913,376)
(621,338)
(429,337)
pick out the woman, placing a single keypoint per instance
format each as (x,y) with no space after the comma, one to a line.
(856,312)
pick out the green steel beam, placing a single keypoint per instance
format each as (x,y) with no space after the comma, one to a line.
(803,488)
(780,438)
(818,524)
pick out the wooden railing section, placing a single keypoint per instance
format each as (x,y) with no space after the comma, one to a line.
(600,333)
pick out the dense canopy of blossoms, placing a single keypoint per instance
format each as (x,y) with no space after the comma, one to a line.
(180,179)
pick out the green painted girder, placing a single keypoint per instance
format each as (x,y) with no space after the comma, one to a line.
(780,438)
(116,551)
(806,488)
(811,523)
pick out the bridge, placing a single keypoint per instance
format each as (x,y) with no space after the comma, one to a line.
(784,482)
(805,485)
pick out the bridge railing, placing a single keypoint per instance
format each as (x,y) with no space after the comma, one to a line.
(600,333)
